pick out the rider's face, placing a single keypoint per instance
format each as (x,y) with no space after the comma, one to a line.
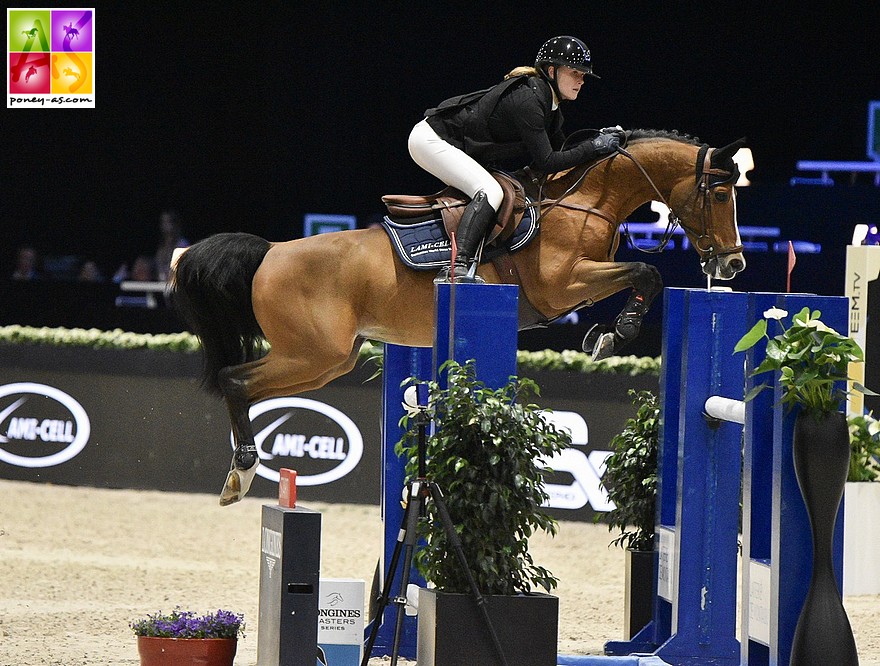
(569,82)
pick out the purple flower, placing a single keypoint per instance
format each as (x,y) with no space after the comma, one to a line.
(186,624)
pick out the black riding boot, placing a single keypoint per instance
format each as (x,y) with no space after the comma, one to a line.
(475,222)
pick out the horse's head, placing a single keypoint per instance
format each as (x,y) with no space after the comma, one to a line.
(707,208)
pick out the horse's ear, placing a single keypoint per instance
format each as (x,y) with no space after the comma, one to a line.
(722,155)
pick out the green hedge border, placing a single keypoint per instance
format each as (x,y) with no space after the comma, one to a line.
(93,338)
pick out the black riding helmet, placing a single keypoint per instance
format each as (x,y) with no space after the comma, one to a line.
(565,50)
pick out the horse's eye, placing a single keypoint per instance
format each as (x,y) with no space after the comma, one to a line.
(721,197)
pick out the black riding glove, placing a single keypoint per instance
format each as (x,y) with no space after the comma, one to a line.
(617,130)
(604,144)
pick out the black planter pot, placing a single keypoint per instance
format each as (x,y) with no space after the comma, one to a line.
(453,632)
(639,599)
(821,461)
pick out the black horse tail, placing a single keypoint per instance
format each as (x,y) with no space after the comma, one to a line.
(211,291)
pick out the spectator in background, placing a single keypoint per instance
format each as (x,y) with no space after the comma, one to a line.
(89,272)
(142,270)
(25,264)
(171,232)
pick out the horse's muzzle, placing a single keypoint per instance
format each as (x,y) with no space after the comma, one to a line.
(724,267)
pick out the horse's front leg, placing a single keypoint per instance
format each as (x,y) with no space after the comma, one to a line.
(646,283)
(245,459)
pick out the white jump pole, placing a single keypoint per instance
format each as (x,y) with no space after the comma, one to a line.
(726,409)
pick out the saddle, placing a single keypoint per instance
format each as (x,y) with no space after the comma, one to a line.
(450,203)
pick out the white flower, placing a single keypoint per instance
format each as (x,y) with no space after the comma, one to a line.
(775,313)
(820,326)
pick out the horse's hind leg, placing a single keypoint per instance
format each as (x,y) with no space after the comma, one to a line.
(233,382)
(646,284)
(272,376)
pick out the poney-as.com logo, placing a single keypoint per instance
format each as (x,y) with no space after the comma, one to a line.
(51,61)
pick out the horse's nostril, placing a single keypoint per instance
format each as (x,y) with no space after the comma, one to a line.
(736,265)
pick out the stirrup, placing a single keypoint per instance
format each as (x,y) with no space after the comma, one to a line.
(463,275)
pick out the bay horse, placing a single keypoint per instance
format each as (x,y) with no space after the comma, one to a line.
(315,300)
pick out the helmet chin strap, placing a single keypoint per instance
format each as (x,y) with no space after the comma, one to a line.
(552,81)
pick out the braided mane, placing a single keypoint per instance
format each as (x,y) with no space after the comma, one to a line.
(674,135)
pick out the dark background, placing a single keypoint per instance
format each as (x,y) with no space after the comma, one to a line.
(248,117)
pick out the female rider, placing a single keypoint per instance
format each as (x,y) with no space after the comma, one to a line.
(515,124)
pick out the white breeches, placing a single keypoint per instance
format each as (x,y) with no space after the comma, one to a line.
(451,165)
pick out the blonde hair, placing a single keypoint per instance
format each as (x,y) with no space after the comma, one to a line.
(522,71)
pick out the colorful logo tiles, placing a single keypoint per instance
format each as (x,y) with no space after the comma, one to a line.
(51,60)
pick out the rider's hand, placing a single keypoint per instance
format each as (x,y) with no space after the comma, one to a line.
(617,130)
(605,144)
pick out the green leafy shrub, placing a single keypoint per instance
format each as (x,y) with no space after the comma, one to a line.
(864,438)
(631,475)
(483,455)
(812,360)
(567,360)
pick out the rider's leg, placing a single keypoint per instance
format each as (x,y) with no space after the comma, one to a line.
(454,167)
(475,222)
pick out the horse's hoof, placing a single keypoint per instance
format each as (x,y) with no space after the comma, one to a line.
(238,482)
(604,347)
(593,337)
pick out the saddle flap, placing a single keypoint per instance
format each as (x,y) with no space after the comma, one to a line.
(513,202)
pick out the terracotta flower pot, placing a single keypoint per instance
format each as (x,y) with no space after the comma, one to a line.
(155,651)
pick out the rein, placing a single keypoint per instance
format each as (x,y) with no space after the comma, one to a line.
(672,221)
(704,171)
(568,192)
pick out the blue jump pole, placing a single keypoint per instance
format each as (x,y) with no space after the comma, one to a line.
(698,485)
(479,322)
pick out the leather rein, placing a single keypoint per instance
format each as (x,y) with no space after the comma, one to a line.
(704,170)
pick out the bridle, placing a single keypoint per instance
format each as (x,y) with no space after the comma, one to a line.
(707,179)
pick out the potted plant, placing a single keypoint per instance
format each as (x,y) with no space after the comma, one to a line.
(864,439)
(810,361)
(861,528)
(182,638)
(483,456)
(630,479)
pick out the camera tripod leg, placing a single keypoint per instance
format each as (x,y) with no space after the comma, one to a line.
(413,510)
(455,541)
(406,541)
(384,598)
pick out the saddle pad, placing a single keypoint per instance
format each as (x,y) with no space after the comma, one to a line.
(425,246)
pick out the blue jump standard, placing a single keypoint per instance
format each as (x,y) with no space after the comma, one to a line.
(699,467)
(472,321)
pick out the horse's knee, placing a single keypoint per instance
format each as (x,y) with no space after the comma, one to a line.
(646,280)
